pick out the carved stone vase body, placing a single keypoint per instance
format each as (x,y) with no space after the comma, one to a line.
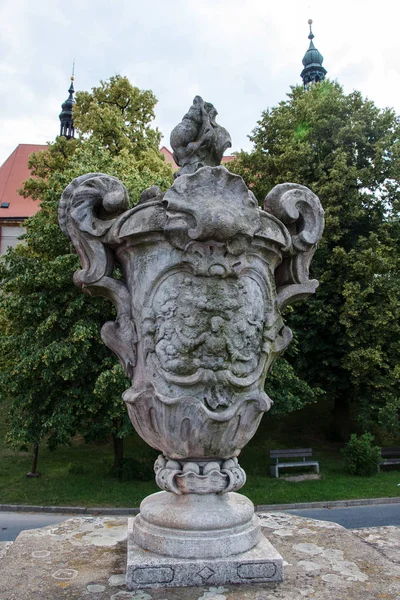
(205,274)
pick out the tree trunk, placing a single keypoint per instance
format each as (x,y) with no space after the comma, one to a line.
(118,444)
(341,419)
(33,472)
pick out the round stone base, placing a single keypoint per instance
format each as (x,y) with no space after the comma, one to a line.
(196,526)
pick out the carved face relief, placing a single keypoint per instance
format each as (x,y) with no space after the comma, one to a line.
(208,323)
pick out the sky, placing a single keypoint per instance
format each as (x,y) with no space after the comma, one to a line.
(241,55)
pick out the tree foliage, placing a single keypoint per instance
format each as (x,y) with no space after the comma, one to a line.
(288,391)
(348,152)
(57,373)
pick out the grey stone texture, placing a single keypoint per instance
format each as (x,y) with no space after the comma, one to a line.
(261,564)
(4,547)
(205,275)
(322,561)
(199,477)
(196,526)
(385,539)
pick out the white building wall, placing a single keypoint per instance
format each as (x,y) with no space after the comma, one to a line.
(9,237)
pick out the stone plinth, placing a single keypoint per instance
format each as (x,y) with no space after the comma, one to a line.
(260,564)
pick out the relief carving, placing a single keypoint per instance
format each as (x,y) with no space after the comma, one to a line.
(206,323)
(212,204)
(200,477)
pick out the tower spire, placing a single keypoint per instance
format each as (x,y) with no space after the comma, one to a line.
(313,71)
(66,119)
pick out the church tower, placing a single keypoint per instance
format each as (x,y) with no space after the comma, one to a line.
(313,71)
(67,122)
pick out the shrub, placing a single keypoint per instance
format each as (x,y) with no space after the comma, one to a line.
(361,457)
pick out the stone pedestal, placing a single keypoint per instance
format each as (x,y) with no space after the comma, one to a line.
(261,564)
(191,539)
(194,539)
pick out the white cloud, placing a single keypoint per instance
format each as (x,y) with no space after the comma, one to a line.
(242,55)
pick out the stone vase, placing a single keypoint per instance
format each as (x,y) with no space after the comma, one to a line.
(206,273)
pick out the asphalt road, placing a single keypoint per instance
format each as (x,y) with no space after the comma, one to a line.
(351,517)
(12,523)
(355,517)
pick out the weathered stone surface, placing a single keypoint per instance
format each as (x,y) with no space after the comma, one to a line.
(62,560)
(322,561)
(199,477)
(4,546)
(198,140)
(261,564)
(196,526)
(385,539)
(198,310)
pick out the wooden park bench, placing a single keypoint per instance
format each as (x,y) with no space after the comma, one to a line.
(303,453)
(390,456)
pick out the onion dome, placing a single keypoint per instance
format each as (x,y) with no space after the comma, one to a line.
(66,119)
(313,71)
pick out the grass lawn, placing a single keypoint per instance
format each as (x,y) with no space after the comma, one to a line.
(79,475)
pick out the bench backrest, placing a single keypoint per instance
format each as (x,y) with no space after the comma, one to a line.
(391,451)
(291,453)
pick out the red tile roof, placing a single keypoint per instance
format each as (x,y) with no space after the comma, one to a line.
(12,173)
(15,170)
(227,158)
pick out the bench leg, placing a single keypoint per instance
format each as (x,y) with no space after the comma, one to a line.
(317,468)
(274,471)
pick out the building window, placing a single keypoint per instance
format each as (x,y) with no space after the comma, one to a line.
(4,205)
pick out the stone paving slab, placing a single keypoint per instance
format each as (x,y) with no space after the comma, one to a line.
(4,546)
(385,539)
(84,558)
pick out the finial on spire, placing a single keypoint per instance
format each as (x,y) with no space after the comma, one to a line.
(311,35)
(73,71)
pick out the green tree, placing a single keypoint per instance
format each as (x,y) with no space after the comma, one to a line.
(58,375)
(288,391)
(348,152)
